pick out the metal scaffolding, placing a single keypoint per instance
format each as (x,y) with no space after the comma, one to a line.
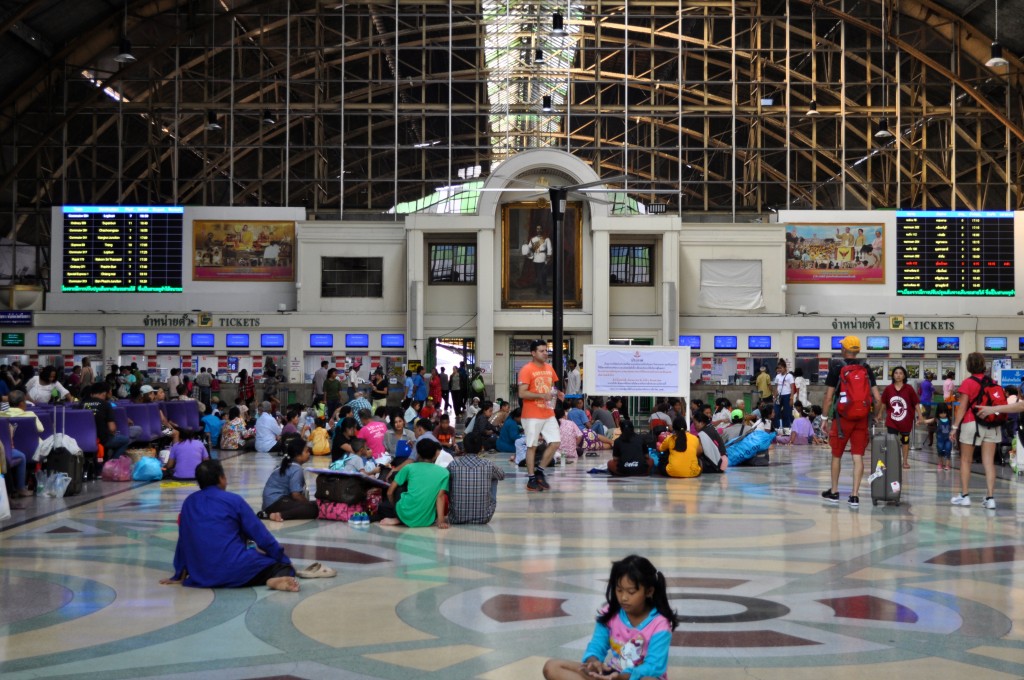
(352,108)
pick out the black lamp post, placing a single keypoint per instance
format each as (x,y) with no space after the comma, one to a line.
(557,195)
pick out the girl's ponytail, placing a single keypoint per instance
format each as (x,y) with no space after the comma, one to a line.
(660,601)
(286,462)
(679,428)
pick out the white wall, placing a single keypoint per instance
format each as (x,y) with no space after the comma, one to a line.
(764,242)
(353,239)
(213,296)
(838,299)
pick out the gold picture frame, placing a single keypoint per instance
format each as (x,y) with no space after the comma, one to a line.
(525,283)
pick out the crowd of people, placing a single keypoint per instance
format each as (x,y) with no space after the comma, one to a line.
(417,467)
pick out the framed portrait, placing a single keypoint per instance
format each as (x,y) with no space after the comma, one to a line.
(527,255)
(243,250)
(835,253)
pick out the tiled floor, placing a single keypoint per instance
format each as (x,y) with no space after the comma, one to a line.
(770,583)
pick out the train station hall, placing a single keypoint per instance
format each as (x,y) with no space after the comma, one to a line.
(303,302)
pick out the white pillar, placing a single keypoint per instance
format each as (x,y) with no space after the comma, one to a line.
(601,287)
(670,288)
(486,281)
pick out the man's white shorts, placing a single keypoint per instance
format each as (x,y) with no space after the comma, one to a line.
(535,427)
(985,433)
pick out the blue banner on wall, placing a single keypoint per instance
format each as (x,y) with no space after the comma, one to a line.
(15,318)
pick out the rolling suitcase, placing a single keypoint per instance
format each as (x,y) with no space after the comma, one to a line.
(63,460)
(885,448)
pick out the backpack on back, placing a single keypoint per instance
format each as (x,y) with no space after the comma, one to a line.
(989,394)
(853,399)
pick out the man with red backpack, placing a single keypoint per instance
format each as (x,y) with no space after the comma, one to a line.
(849,395)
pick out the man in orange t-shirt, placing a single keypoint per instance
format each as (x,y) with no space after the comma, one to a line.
(537,392)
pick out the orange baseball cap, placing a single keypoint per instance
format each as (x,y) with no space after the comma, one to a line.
(851,343)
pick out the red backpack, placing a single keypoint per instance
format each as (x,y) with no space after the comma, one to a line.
(854,399)
(989,394)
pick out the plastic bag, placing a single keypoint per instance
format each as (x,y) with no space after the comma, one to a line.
(164,456)
(41,477)
(147,470)
(60,483)
(118,470)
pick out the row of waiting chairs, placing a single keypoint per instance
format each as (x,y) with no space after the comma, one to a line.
(80,424)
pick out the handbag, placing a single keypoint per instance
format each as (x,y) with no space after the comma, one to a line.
(5,502)
(478,384)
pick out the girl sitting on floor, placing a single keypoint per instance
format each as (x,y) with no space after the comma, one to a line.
(633,632)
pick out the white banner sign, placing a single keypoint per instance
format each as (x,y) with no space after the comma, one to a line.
(636,370)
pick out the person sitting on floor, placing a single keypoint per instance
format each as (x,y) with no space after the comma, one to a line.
(629,453)
(712,457)
(572,436)
(234,435)
(473,481)
(357,462)
(481,435)
(214,528)
(268,431)
(680,452)
(186,455)
(213,423)
(418,496)
(445,433)
(285,495)
(511,430)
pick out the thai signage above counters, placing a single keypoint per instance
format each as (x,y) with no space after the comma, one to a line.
(874,324)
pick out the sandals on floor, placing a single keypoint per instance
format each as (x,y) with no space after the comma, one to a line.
(316,570)
(263,514)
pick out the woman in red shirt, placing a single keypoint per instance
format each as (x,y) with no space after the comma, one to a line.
(899,400)
(434,387)
(971,433)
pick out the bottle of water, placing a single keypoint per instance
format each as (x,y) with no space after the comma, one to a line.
(552,399)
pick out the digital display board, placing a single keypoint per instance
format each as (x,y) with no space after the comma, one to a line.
(237,340)
(913,343)
(168,339)
(947,344)
(12,339)
(133,339)
(995,344)
(48,339)
(271,339)
(122,249)
(954,253)
(321,339)
(691,341)
(202,340)
(878,342)
(725,342)
(357,340)
(837,341)
(808,342)
(84,339)
(759,342)
(392,339)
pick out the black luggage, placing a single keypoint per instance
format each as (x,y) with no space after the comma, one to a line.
(885,447)
(62,460)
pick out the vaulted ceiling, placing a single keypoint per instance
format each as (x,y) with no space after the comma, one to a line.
(355,108)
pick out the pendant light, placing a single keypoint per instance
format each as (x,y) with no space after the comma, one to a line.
(997,60)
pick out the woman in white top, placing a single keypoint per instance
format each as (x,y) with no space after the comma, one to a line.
(41,388)
(801,383)
(783,389)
